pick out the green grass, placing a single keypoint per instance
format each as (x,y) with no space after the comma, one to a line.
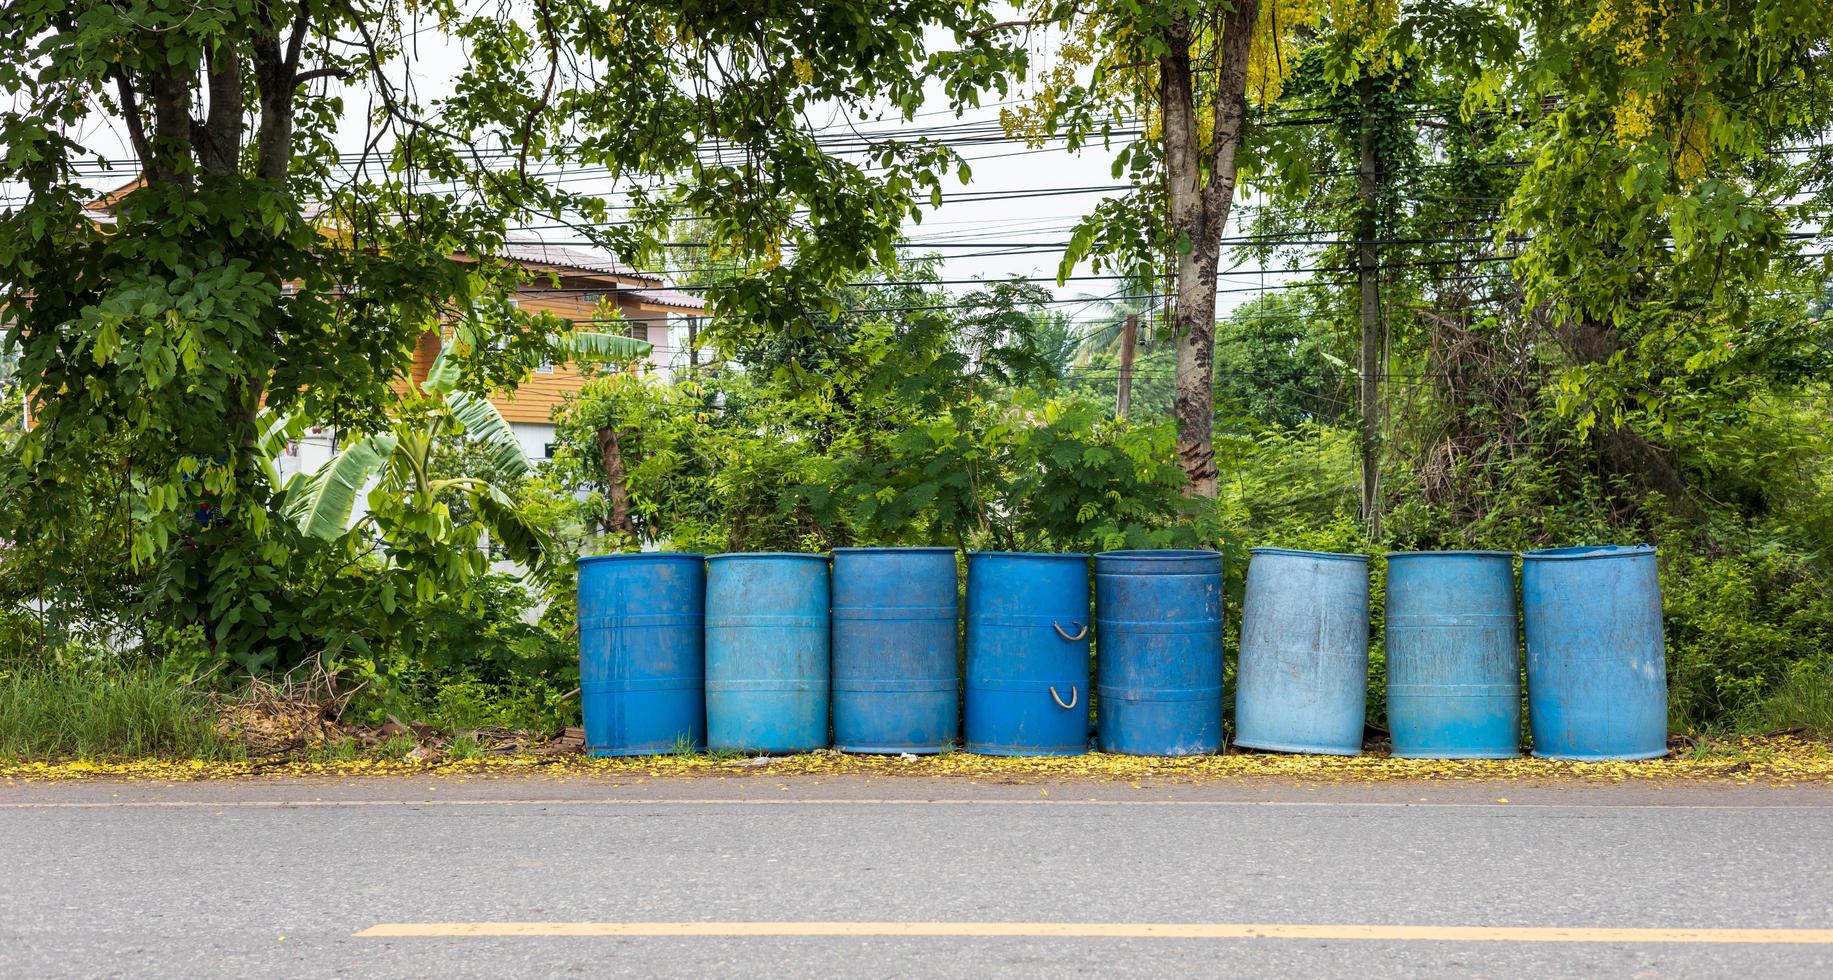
(336,750)
(106,710)
(464,747)
(1803,700)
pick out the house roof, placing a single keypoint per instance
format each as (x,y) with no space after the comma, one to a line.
(667,297)
(563,258)
(559,256)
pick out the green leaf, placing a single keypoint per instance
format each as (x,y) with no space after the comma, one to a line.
(487,426)
(321,503)
(592,346)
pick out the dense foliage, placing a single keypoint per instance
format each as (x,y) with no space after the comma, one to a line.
(266,272)
(910,418)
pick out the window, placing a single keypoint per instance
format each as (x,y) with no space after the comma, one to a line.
(547,450)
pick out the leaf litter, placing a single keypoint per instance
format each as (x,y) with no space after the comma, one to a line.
(1779,760)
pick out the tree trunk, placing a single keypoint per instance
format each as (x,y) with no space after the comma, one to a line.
(1200,199)
(1625,455)
(1123,391)
(1368,277)
(617,493)
(169,92)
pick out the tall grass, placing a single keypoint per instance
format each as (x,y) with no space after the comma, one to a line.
(1804,699)
(105,710)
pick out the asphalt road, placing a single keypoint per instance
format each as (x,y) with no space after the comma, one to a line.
(271,878)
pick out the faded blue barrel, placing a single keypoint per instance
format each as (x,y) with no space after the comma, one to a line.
(766,652)
(1158,630)
(1302,683)
(1453,655)
(1027,653)
(642,665)
(1596,661)
(896,680)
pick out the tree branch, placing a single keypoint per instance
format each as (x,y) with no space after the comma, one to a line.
(1229,112)
(130,111)
(315,74)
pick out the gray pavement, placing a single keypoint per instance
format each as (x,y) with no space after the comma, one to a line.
(273,877)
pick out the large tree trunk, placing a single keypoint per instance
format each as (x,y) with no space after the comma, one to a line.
(617,493)
(1201,189)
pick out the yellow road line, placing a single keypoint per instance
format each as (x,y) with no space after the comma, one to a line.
(1096,930)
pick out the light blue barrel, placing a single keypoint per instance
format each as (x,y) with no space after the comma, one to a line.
(1596,660)
(1302,683)
(897,683)
(1158,636)
(642,665)
(1027,653)
(767,652)
(1453,655)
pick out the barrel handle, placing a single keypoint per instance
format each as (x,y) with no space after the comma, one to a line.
(1066,636)
(1075,696)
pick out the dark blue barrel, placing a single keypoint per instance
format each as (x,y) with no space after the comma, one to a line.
(1453,655)
(1596,660)
(642,665)
(1302,684)
(1027,653)
(1158,630)
(896,679)
(766,652)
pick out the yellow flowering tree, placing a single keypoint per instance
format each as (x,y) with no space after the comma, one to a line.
(1677,181)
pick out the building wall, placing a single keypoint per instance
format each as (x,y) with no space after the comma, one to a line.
(536,399)
(535,437)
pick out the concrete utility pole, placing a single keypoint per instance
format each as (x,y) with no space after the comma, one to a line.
(1123,394)
(1368,277)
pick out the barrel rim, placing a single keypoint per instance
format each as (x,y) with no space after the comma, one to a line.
(1584,552)
(1329,555)
(664,555)
(894,549)
(1158,554)
(797,555)
(1454,553)
(1080,556)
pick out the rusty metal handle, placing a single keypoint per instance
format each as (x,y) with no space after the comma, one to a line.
(1066,636)
(1075,696)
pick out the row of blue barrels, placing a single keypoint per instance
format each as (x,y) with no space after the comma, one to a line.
(749,651)
(1591,618)
(752,657)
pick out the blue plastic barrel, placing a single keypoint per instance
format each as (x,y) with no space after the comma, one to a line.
(896,680)
(1027,653)
(1158,635)
(766,652)
(1596,660)
(1302,683)
(641,654)
(1453,655)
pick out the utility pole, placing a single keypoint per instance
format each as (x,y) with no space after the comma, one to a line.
(1368,278)
(1123,394)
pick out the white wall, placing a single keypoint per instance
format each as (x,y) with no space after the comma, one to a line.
(534,437)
